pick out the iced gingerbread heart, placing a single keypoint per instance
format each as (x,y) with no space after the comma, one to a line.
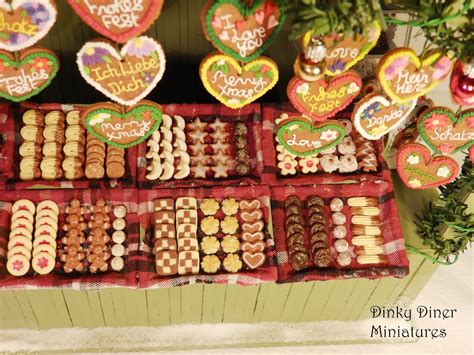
(343,51)
(237,86)
(240,30)
(419,170)
(321,99)
(25,22)
(29,75)
(376,115)
(122,128)
(125,77)
(444,131)
(404,76)
(118,20)
(302,137)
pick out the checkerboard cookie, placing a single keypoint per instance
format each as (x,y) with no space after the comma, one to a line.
(166,262)
(188,263)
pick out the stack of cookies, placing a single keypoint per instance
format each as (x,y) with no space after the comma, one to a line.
(366,230)
(241,150)
(30,150)
(165,247)
(167,151)
(365,153)
(74,147)
(54,138)
(44,244)
(118,237)
(73,254)
(252,235)
(186,226)
(95,157)
(115,162)
(318,230)
(295,241)
(98,237)
(339,232)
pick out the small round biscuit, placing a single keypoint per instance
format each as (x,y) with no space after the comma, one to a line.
(44,240)
(33,117)
(19,249)
(30,133)
(18,265)
(43,263)
(20,241)
(47,221)
(24,223)
(48,205)
(52,149)
(24,204)
(54,117)
(72,149)
(44,248)
(29,149)
(73,117)
(22,215)
(46,230)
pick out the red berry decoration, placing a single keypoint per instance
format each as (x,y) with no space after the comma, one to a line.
(462,85)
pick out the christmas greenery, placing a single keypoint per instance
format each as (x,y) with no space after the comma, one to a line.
(450,212)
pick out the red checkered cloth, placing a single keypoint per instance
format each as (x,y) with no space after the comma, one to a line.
(271,175)
(13,142)
(394,246)
(6,143)
(209,112)
(148,278)
(57,278)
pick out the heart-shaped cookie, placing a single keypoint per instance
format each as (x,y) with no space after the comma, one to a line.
(239,30)
(125,77)
(249,205)
(253,261)
(444,131)
(343,51)
(419,170)
(375,115)
(404,76)
(118,20)
(22,79)
(111,124)
(237,86)
(25,22)
(252,237)
(302,137)
(320,99)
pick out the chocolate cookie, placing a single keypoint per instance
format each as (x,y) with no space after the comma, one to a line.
(292,209)
(240,129)
(296,238)
(295,218)
(315,210)
(296,248)
(322,257)
(242,169)
(314,201)
(292,200)
(298,261)
(319,236)
(317,218)
(293,228)
(318,227)
(319,244)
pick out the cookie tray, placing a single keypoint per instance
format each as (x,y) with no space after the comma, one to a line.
(13,141)
(271,175)
(208,112)
(57,278)
(393,242)
(148,278)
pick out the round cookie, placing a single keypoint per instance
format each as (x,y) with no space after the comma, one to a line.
(24,204)
(43,263)
(18,265)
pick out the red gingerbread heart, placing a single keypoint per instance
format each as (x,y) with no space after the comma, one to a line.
(419,170)
(321,99)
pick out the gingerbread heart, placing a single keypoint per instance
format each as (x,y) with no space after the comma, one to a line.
(343,51)
(125,77)
(320,99)
(252,237)
(25,22)
(419,170)
(249,205)
(404,76)
(253,261)
(240,30)
(28,75)
(122,128)
(236,86)
(375,115)
(444,131)
(302,137)
(118,20)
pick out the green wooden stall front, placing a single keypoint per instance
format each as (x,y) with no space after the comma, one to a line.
(179,30)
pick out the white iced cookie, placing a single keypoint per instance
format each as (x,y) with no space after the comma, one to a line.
(341,245)
(179,134)
(343,259)
(156,136)
(180,145)
(167,157)
(180,123)
(167,134)
(153,146)
(166,146)
(156,170)
(167,121)
(183,171)
(168,171)
(184,157)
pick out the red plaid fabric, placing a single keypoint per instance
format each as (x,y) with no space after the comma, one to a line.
(58,279)
(14,141)
(148,278)
(208,112)
(394,246)
(270,175)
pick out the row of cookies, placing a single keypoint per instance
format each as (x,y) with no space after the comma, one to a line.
(339,232)
(30,150)
(74,147)
(167,151)
(33,231)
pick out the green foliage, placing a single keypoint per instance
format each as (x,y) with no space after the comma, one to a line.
(449,211)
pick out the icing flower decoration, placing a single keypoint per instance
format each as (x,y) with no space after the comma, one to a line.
(94,56)
(371,110)
(329,135)
(443,171)
(147,77)
(413,159)
(396,67)
(309,165)
(141,47)
(265,68)
(17,265)
(220,62)
(40,63)
(353,88)
(414,182)
(17,38)
(302,89)
(446,148)
(233,101)
(437,120)
(379,130)
(288,166)
(37,12)
(338,67)
(442,67)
